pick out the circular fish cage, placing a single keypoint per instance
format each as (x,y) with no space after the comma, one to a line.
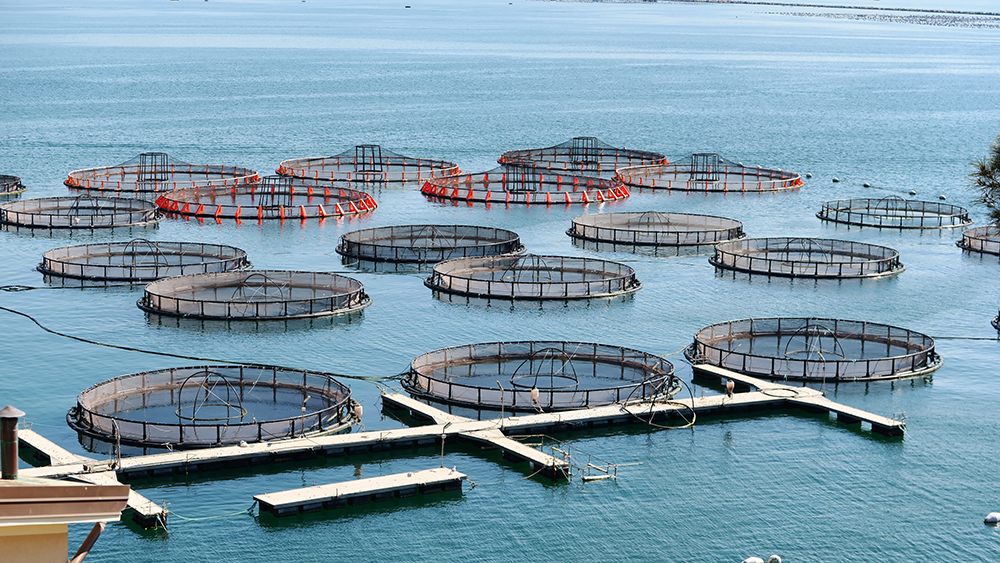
(81,212)
(982,239)
(274,198)
(533,277)
(708,172)
(10,185)
(654,228)
(807,258)
(255,295)
(367,163)
(539,376)
(156,172)
(895,212)
(141,260)
(207,406)
(584,155)
(526,185)
(808,349)
(427,243)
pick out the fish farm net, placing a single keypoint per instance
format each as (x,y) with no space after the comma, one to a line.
(653,228)
(274,198)
(141,260)
(807,258)
(533,277)
(895,212)
(206,406)
(367,163)
(808,349)
(584,155)
(428,243)
(982,239)
(255,295)
(509,184)
(10,185)
(708,172)
(539,376)
(156,172)
(82,212)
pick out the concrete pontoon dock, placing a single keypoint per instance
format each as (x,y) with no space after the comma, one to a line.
(361,491)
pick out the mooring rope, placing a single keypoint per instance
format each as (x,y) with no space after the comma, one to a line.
(183,356)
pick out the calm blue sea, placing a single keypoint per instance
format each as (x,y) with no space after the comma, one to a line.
(899,105)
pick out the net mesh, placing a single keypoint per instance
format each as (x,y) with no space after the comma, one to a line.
(82,212)
(427,243)
(708,172)
(255,295)
(895,212)
(141,260)
(274,199)
(807,257)
(367,163)
(655,228)
(533,277)
(525,185)
(194,407)
(150,173)
(10,185)
(810,349)
(982,239)
(539,375)
(584,155)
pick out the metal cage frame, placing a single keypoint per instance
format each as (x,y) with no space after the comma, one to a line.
(90,419)
(782,256)
(708,172)
(895,212)
(84,261)
(367,164)
(985,240)
(583,155)
(398,243)
(258,295)
(658,380)
(662,228)
(499,277)
(80,212)
(156,172)
(920,358)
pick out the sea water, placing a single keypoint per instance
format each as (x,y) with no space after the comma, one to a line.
(900,105)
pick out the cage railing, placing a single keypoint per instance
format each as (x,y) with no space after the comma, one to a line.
(89,417)
(79,212)
(172,259)
(428,243)
(817,258)
(895,212)
(985,240)
(921,357)
(725,176)
(655,228)
(657,376)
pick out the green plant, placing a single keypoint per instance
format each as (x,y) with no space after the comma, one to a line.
(985,178)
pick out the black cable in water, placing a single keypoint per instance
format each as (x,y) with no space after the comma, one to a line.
(181,356)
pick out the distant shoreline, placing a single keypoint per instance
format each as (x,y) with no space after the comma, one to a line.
(801,5)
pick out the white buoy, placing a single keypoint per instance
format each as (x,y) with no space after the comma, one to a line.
(809,175)
(913,192)
(942,197)
(992,518)
(836,179)
(729,388)
(774,559)
(534,394)
(752,560)
(358,411)
(867,185)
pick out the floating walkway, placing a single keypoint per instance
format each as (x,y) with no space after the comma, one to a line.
(492,434)
(805,398)
(57,462)
(361,491)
